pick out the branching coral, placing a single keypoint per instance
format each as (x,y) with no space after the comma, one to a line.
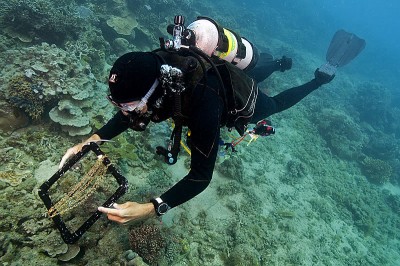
(147,241)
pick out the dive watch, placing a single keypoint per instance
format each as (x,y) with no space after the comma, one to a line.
(160,206)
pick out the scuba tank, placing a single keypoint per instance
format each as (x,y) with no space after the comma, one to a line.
(203,39)
(214,40)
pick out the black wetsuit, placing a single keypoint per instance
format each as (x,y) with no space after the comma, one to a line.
(204,122)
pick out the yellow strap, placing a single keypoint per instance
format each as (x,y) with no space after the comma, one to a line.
(186,148)
(231,44)
(253,138)
(236,138)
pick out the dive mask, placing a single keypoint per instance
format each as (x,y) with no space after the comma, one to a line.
(136,106)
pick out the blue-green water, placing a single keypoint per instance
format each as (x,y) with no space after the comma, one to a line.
(324,190)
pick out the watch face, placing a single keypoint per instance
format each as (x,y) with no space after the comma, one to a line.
(163,208)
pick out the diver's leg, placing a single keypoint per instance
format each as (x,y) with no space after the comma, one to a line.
(266,106)
(266,65)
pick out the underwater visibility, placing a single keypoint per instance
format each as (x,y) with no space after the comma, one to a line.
(199,132)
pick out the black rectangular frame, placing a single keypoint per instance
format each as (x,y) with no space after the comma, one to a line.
(68,236)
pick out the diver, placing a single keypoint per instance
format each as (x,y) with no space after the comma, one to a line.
(202,93)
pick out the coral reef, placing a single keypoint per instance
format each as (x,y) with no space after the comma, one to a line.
(341,132)
(27,94)
(14,166)
(232,168)
(296,171)
(148,242)
(47,75)
(228,188)
(382,146)
(376,170)
(130,258)
(122,25)
(11,118)
(244,255)
(372,101)
(363,217)
(394,202)
(70,116)
(121,46)
(41,19)
(70,254)
(11,177)
(90,50)
(285,201)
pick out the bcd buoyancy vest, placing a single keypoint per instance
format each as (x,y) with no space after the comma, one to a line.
(240,91)
(237,90)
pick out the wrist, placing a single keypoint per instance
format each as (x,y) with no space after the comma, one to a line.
(150,210)
(160,207)
(93,138)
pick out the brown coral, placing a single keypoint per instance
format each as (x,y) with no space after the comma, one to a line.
(11,118)
(26,95)
(11,177)
(147,241)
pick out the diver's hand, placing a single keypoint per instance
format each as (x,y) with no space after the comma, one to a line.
(70,152)
(129,212)
(77,148)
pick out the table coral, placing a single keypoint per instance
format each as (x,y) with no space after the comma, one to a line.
(73,251)
(122,25)
(70,117)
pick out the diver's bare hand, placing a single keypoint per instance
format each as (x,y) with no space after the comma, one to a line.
(70,152)
(77,148)
(129,212)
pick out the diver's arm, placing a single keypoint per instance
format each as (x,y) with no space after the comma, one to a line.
(204,124)
(196,181)
(115,126)
(191,185)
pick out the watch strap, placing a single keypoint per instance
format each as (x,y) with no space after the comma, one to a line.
(159,206)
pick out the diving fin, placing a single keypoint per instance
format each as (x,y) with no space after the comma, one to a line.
(343,48)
